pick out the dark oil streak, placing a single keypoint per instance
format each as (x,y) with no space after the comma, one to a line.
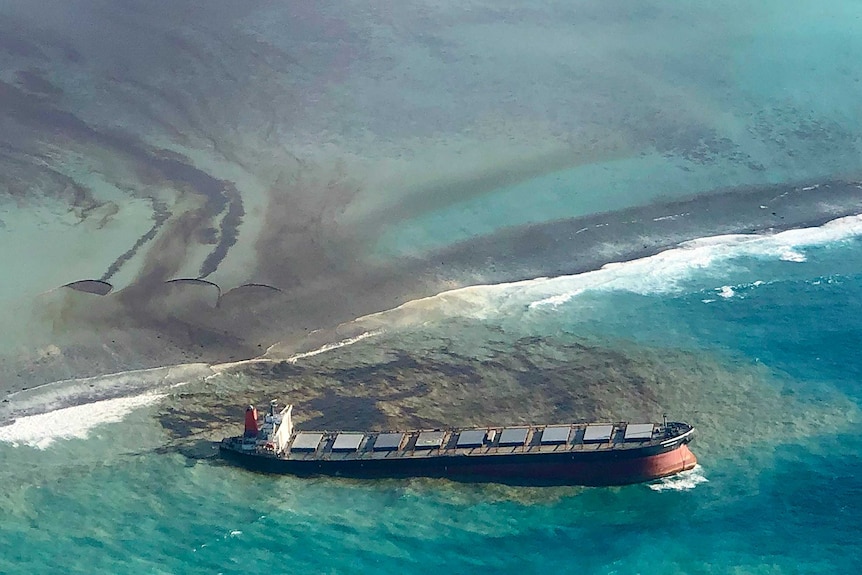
(81,200)
(171,166)
(160,216)
(229,229)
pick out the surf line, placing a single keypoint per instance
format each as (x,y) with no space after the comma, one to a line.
(656,273)
(75,422)
(336,345)
(221,367)
(30,429)
(165,373)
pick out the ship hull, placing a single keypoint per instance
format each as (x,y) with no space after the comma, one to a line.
(595,468)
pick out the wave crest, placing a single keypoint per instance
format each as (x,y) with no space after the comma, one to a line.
(76,422)
(683,481)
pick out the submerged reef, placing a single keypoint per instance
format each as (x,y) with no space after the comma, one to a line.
(478,376)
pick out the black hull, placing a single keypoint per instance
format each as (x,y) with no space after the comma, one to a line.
(596,467)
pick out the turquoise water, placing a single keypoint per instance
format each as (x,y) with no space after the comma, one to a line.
(779,497)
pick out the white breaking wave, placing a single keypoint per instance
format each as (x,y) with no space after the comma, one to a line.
(43,429)
(335,345)
(671,217)
(556,300)
(661,272)
(65,393)
(43,414)
(273,350)
(792,256)
(726,292)
(683,481)
(657,274)
(71,408)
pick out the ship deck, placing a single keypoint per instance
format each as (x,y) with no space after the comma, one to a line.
(476,442)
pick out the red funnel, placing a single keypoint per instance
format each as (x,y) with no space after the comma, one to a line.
(250,421)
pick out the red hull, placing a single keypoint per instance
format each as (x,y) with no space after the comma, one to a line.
(602,472)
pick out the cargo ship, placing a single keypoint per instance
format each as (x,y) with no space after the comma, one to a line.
(558,454)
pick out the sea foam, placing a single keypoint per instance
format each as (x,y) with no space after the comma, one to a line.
(71,392)
(331,346)
(42,430)
(662,273)
(683,481)
(556,300)
(726,292)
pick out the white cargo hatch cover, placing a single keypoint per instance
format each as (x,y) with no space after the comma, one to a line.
(639,431)
(347,441)
(306,441)
(598,433)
